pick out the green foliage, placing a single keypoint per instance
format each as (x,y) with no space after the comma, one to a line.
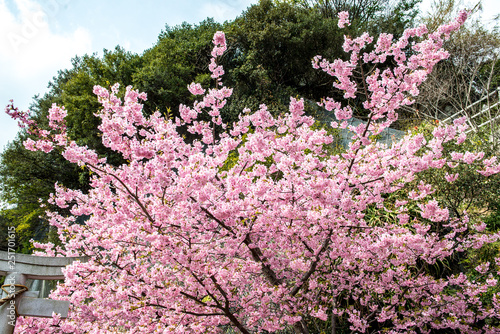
(473,193)
(274,42)
(273,46)
(490,70)
(268,60)
(396,17)
(26,176)
(4,232)
(493,219)
(470,193)
(336,146)
(74,89)
(179,57)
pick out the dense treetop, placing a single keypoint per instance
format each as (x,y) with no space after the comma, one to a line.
(257,226)
(182,162)
(271,46)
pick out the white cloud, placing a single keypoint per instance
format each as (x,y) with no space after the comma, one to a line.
(27,45)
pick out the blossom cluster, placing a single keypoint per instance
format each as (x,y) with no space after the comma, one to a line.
(184,238)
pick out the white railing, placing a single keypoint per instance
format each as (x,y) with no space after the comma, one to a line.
(486,108)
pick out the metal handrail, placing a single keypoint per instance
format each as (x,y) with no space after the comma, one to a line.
(463,111)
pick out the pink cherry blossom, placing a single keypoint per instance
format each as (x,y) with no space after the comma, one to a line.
(259,228)
(343,19)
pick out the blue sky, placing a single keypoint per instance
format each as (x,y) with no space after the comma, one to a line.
(39,37)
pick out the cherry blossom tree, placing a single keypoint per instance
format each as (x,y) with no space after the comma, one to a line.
(255,227)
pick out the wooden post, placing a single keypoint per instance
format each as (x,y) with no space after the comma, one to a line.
(17,270)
